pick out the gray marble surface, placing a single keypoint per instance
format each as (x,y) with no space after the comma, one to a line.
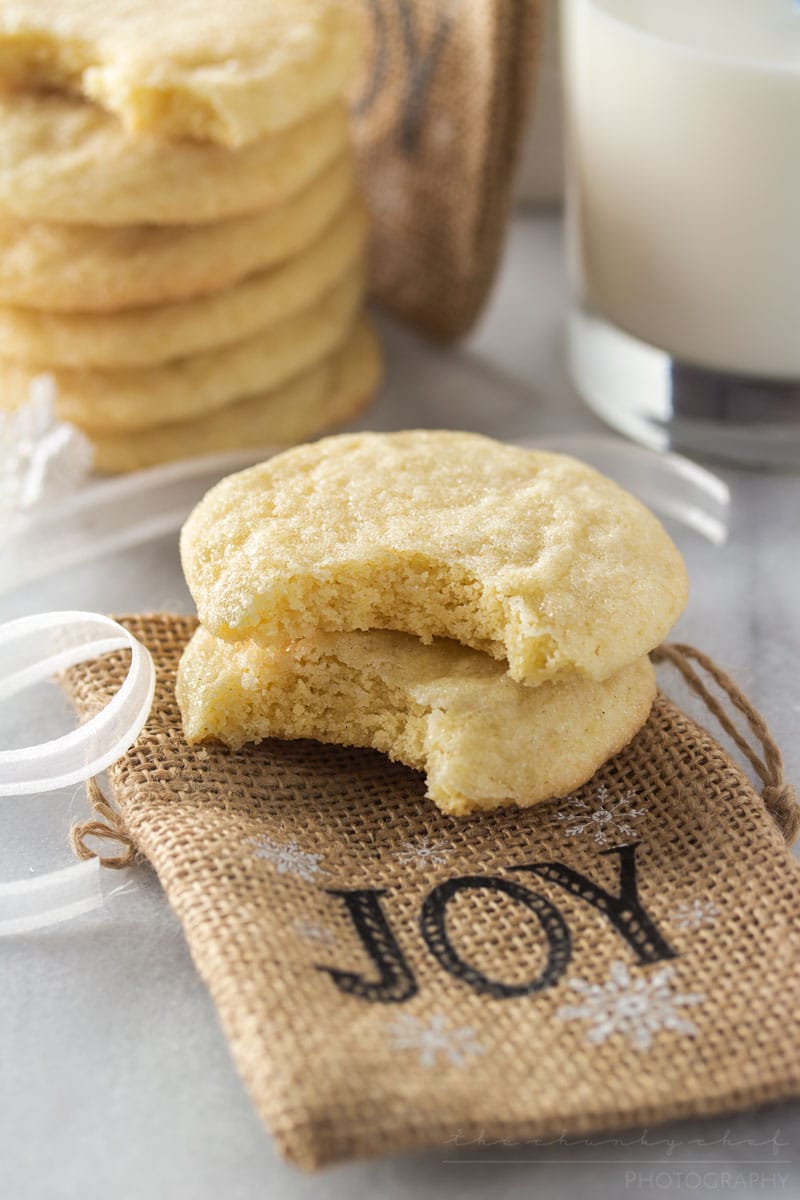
(114,1076)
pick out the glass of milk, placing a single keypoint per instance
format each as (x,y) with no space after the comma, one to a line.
(683,166)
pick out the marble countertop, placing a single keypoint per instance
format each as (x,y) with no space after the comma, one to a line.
(115,1078)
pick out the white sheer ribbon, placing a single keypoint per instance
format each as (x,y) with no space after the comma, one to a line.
(33,649)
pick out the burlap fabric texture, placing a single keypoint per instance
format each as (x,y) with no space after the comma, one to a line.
(389,977)
(438,118)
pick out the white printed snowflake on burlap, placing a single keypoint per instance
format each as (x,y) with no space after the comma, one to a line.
(605,821)
(696,914)
(42,459)
(289,859)
(313,932)
(637,1008)
(432,1039)
(423,851)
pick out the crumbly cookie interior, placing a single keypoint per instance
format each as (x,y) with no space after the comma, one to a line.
(483,740)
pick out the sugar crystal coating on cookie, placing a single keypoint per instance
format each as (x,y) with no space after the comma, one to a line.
(531,557)
(482,740)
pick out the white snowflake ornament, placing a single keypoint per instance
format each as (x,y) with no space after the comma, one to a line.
(289,859)
(605,821)
(42,459)
(637,1008)
(432,1038)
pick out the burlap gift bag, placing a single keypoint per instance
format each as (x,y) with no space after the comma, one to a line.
(438,119)
(389,977)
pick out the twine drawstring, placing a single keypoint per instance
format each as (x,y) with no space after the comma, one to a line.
(778,796)
(109,828)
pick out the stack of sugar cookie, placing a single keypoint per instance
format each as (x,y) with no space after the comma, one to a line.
(478,611)
(181,239)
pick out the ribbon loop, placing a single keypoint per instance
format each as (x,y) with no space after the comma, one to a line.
(33,649)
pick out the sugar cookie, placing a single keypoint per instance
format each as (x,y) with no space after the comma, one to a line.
(143,337)
(226,73)
(100,268)
(143,397)
(63,160)
(529,556)
(325,396)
